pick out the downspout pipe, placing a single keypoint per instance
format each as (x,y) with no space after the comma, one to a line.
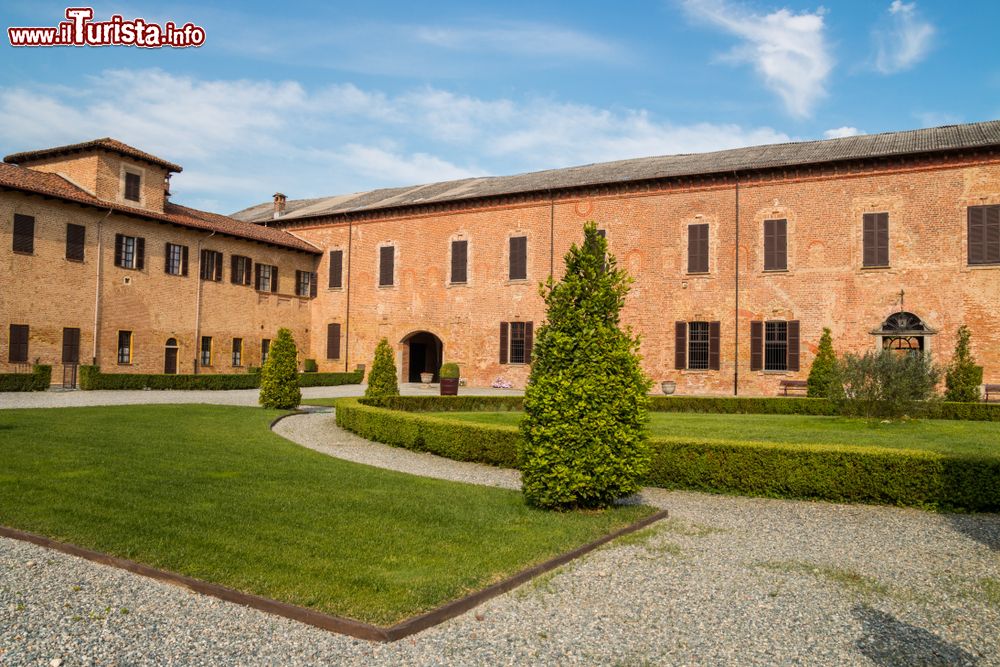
(97,289)
(347,317)
(197,310)
(736,300)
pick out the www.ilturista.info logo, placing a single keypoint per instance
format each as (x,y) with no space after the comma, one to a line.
(81,30)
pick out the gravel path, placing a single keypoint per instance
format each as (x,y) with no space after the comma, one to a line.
(725,580)
(69,399)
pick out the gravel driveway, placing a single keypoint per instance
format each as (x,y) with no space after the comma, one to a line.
(725,580)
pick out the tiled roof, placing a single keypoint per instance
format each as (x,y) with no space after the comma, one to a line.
(951,137)
(53,185)
(107,143)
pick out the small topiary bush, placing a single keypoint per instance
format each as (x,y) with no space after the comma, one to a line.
(279,377)
(382,377)
(823,379)
(586,400)
(449,371)
(309,366)
(886,385)
(963,376)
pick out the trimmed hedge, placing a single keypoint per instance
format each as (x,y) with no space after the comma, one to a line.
(484,443)
(447,403)
(839,473)
(38,379)
(92,378)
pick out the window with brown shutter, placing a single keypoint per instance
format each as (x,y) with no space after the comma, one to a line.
(132,186)
(239,269)
(780,345)
(698,346)
(175,259)
(875,240)
(336,269)
(75,240)
(756,346)
(459,261)
(18,353)
(698,248)
(211,265)
(680,345)
(71,345)
(386,265)
(775,245)
(312,285)
(24,234)
(518,264)
(130,252)
(333,340)
(984,234)
(793,346)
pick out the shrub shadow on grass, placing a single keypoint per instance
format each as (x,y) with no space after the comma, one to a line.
(889,642)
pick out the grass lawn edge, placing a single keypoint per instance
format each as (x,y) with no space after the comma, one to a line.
(329,622)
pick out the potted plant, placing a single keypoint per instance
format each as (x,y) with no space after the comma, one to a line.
(426,378)
(668,387)
(449,379)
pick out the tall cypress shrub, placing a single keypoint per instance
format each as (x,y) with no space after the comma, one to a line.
(823,377)
(279,377)
(586,400)
(382,378)
(963,376)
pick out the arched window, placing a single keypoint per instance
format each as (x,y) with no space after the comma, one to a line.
(904,333)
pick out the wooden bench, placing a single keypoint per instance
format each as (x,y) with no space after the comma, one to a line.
(993,389)
(793,385)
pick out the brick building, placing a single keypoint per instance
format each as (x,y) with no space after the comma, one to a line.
(740,258)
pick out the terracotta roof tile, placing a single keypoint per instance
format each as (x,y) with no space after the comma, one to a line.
(53,185)
(107,143)
(951,137)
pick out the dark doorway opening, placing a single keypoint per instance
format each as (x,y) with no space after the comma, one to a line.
(170,357)
(424,354)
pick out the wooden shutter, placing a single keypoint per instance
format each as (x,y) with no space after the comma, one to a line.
(386,265)
(234,278)
(256,277)
(518,269)
(166,257)
(876,239)
(991,234)
(140,253)
(132,186)
(793,346)
(24,233)
(75,239)
(333,341)
(184,260)
(698,248)
(71,346)
(529,340)
(218,267)
(756,346)
(312,285)
(336,269)
(18,352)
(714,335)
(119,248)
(274,279)
(680,345)
(459,261)
(504,341)
(775,245)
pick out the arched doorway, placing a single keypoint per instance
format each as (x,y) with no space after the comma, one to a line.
(170,357)
(422,353)
(904,333)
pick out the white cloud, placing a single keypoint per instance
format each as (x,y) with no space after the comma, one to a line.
(240,140)
(903,40)
(838,132)
(526,39)
(788,50)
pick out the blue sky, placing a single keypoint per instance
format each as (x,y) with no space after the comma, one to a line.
(315,99)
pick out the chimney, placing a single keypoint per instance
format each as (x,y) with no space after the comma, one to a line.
(279,204)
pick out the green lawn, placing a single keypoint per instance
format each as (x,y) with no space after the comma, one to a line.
(210,492)
(944,436)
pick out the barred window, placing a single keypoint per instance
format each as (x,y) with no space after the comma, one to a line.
(775,346)
(517,339)
(124,347)
(698,345)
